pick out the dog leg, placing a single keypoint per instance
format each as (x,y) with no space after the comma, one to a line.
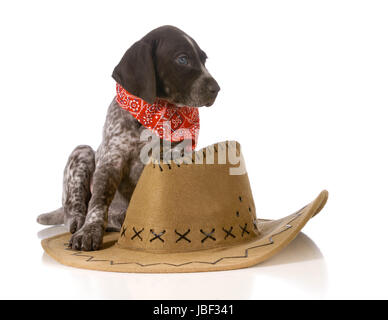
(117,211)
(115,220)
(76,186)
(119,206)
(52,218)
(106,178)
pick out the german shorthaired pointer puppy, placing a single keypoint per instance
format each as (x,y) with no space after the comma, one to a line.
(166,64)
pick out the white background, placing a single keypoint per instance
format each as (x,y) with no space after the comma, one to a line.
(303,89)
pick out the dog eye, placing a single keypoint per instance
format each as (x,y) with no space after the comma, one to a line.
(183,60)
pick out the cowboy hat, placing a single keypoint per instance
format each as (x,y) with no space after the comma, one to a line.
(190,215)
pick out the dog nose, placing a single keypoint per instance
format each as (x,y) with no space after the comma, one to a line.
(213,87)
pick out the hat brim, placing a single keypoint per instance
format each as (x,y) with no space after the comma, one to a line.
(274,236)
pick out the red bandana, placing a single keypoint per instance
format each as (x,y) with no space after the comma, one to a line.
(168,121)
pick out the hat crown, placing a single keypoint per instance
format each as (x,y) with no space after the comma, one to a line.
(181,206)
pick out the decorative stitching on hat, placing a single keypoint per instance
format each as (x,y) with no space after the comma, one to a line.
(244,229)
(246,254)
(157,236)
(228,232)
(123,232)
(137,234)
(208,235)
(183,236)
(177,162)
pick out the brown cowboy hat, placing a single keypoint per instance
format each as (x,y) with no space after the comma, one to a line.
(195,214)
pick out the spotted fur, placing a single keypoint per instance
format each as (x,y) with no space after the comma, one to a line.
(97,186)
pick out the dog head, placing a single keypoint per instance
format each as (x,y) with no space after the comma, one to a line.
(168,64)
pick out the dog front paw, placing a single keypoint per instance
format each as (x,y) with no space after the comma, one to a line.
(74,222)
(88,238)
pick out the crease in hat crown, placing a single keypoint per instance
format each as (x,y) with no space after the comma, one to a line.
(191,203)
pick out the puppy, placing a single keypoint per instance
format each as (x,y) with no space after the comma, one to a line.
(97,186)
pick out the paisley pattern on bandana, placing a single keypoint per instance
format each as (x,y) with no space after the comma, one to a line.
(168,121)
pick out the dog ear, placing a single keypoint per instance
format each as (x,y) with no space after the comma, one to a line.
(136,72)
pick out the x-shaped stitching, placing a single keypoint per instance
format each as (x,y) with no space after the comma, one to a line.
(137,234)
(183,236)
(208,235)
(229,232)
(244,230)
(157,236)
(123,232)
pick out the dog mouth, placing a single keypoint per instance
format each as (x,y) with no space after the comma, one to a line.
(195,105)
(210,102)
(192,103)
(203,104)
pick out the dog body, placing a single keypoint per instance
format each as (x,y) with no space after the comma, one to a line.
(97,186)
